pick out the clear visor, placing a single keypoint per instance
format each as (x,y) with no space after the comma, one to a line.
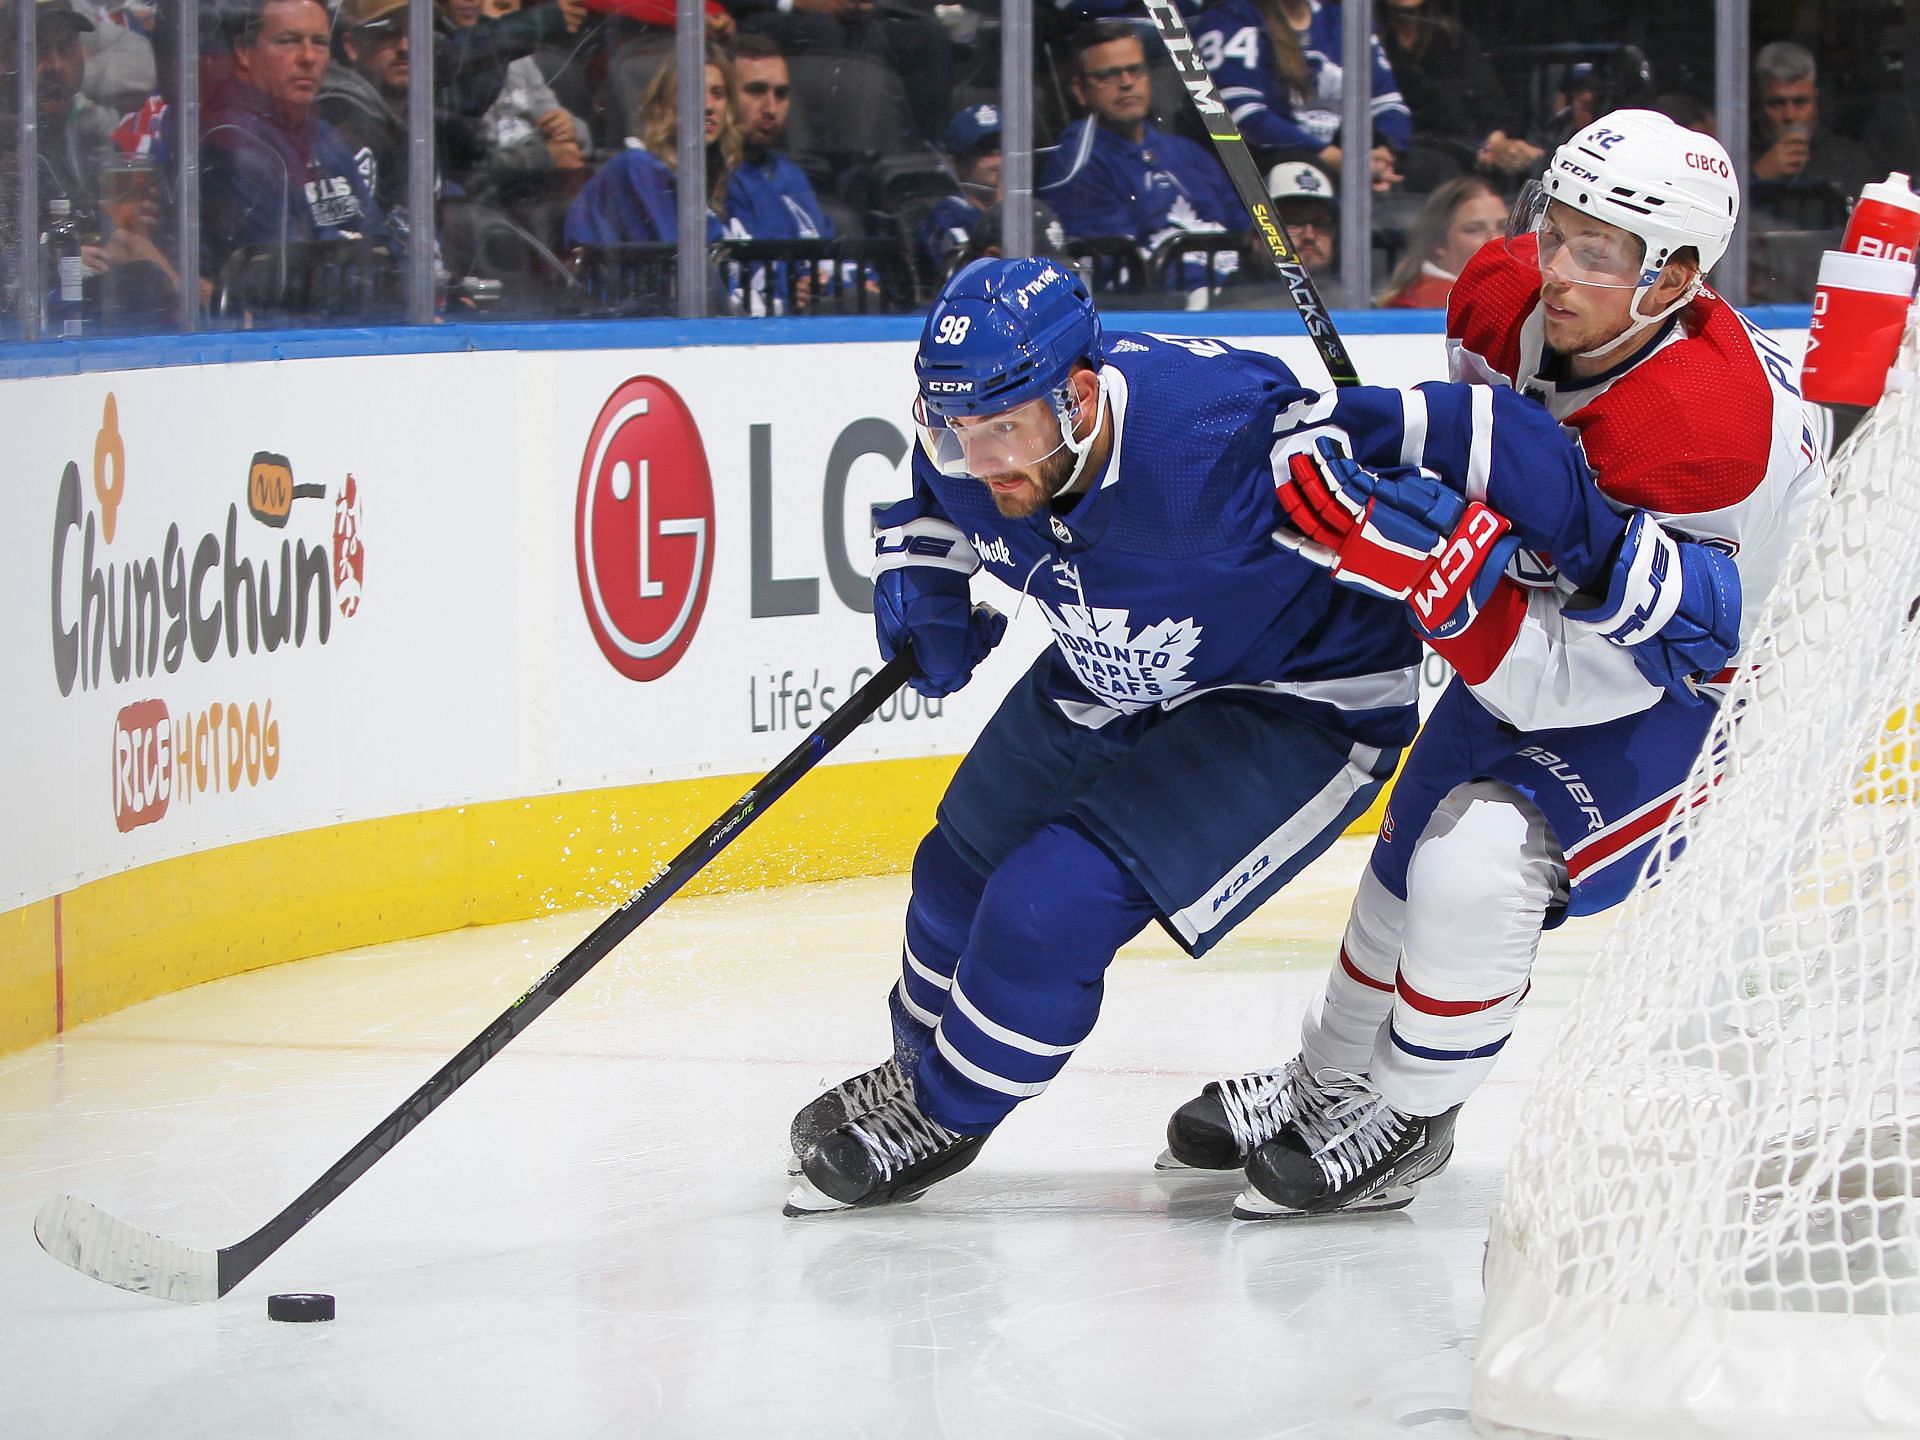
(1575,247)
(1014,440)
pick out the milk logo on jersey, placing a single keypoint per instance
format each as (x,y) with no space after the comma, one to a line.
(643,528)
(1060,530)
(1130,670)
(994,551)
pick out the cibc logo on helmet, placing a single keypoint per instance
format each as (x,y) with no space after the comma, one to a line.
(643,528)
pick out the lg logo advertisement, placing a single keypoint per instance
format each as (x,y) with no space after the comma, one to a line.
(643,529)
(647,541)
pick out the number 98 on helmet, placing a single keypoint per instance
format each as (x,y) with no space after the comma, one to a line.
(1002,335)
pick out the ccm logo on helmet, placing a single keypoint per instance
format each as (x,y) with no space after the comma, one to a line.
(950,387)
(1712,164)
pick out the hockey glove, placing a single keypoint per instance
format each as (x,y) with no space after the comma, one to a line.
(1675,605)
(1398,532)
(921,598)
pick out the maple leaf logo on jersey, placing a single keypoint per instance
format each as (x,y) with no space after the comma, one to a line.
(1127,670)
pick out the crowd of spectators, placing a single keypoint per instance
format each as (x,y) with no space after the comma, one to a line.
(853,146)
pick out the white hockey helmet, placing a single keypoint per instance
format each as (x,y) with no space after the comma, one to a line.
(1655,179)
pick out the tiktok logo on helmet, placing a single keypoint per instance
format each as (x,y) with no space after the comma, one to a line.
(1003,332)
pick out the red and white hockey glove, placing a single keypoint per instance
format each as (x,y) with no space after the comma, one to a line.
(1398,533)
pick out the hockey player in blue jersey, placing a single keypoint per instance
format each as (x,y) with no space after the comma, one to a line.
(1213,713)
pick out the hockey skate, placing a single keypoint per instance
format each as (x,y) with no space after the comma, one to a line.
(889,1155)
(1353,1155)
(864,1092)
(1230,1119)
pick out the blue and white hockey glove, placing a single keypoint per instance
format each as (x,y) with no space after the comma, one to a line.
(921,598)
(1399,532)
(1675,605)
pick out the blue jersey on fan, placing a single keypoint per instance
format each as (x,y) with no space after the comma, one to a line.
(1101,183)
(1164,582)
(1232,38)
(630,198)
(770,198)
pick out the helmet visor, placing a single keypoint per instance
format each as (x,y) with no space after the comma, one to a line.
(1014,440)
(1573,246)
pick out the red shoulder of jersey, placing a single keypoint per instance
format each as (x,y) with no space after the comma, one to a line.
(1491,301)
(1690,429)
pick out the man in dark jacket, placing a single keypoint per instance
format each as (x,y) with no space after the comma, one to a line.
(271,170)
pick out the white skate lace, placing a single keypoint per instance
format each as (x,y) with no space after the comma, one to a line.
(896,1135)
(1351,1128)
(873,1088)
(1258,1104)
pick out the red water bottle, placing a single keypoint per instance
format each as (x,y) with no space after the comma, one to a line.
(1860,303)
(1886,221)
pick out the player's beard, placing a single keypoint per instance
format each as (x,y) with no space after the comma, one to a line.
(1038,485)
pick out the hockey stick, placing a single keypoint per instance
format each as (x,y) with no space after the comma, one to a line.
(1232,149)
(95,1243)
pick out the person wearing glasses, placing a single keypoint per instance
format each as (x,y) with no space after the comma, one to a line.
(1310,211)
(1114,173)
(364,94)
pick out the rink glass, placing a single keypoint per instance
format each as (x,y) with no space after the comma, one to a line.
(867,129)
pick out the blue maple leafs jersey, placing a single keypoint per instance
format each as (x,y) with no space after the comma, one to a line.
(1232,38)
(1164,582)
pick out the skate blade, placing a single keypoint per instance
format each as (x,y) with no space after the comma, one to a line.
(1252,1205)
(806,1199)
(1169,1163)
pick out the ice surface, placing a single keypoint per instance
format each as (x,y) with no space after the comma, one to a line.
(587,1239)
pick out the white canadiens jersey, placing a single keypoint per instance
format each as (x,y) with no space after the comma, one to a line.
(1705,429)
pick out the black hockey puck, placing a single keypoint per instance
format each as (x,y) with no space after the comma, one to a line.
(300,1308)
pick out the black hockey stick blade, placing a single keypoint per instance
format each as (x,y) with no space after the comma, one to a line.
(95,1243)
(1231,146)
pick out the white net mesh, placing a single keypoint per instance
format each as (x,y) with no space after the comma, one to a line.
(1711,1223)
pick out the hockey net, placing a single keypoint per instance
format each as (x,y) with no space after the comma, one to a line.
(1711,1223)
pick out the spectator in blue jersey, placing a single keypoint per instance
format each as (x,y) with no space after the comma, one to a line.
(769,197)
(271,170)
(1277,66)
(1114,174)
(973,145)
(633,197)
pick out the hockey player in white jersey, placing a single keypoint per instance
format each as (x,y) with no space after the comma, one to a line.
(1538,786)
(1216,707)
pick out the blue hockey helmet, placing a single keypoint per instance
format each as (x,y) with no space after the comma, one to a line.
(1001,341)
(1003,332)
